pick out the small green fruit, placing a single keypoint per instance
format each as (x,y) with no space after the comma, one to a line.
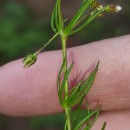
(29,60)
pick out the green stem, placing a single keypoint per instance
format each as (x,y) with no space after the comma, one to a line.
(67,112)
(64,54)
(46,44)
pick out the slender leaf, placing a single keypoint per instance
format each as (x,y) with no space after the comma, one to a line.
(104,126)
(60,72)
(89,126)
(57,21)
(77,16)
(88,112)
(53,24)
(66,75)
(81,123)
(89,20)
(61,86)
(77,112)
(59,15)
(60,92)
(54,19)
(78,94)
(74,90)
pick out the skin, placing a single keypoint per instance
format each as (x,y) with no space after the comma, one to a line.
(33,91)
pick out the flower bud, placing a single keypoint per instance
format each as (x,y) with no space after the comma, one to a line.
(113,8)
(118,8)
(101,15)
(29,60)
(95,4)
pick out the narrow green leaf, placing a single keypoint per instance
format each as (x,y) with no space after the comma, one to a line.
(77,16)
(60,93)
(59,89)
(74,90)
(88,112)
(90,19)
(59,15)
(77,112)
(61,86)
(57,21)
(81,123)
(56,17)
(66,75)
(53,24)
(76,96)
(104,126)
(88,127)
(60,72)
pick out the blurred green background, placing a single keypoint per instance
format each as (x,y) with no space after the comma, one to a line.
(25,27)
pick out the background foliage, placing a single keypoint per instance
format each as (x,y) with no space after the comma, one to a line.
(25,26)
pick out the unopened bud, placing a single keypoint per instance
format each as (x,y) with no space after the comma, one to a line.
(95,4)
(101,15)
(118,8)
(29,60)
(113,8)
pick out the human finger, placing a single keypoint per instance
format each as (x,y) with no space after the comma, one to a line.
(115,120)
(33,91)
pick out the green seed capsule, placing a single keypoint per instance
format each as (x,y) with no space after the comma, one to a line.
(29,60)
